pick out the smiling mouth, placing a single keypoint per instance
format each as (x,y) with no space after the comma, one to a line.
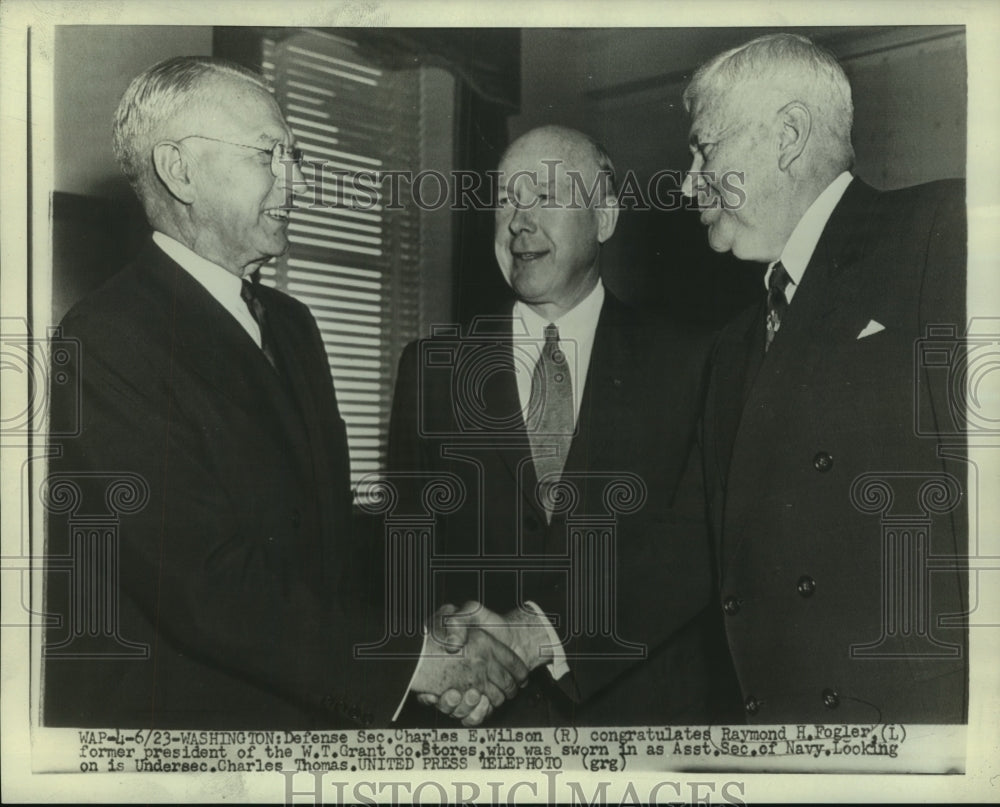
(528,256)
(279,213)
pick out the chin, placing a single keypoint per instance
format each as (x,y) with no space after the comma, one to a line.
(277,246)
(748,253)
(719,244)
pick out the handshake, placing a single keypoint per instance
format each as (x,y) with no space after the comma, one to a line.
(474,659)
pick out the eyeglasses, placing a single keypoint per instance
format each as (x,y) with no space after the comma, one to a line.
(279,152)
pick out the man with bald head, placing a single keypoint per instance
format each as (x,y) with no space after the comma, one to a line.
(570,420)
(825,432)
(209,418)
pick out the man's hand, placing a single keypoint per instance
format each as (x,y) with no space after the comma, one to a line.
(522,630)
(462,659)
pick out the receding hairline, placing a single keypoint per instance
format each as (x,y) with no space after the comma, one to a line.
(572,147)
(215,92)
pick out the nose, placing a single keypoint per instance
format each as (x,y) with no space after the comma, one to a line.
(691,182)
(299,178)
(292,180)
(522,219)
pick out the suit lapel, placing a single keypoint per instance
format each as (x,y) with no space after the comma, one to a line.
(217,349)
(830,287)
(288,346)
(830,291)
(502,406)
(736,365)
(610,385)
(607,378)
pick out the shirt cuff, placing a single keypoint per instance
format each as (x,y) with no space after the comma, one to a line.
(413,678)
(559,666)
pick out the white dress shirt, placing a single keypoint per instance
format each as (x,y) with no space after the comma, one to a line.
(801,244)
(222,284)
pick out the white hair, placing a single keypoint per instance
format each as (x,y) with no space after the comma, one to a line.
(793,60)
(154,98)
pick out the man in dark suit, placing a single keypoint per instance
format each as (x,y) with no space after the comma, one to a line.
(570,420)
(837,500)
(208,422)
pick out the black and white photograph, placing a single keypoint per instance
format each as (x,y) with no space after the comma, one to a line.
(445,403)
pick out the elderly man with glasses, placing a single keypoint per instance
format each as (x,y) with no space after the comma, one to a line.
(209,398)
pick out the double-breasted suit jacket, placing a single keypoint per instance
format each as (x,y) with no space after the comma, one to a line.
(623,569)
(229,573)
(835,474)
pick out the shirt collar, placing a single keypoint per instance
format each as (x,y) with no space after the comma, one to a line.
(220,282)
(577,324)
(801,244)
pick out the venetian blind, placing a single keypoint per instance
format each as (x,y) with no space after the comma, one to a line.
(352,260)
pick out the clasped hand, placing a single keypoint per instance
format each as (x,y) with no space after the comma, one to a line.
(475,659)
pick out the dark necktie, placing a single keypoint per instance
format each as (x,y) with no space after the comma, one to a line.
(249,294)
(776,301)
(550,420)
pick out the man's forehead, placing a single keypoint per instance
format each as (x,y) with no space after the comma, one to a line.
(544,165)
(706,120)
(241,108)
(533,173)
(735,106)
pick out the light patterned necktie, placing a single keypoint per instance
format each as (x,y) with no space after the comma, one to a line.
(550,421)
(776,301)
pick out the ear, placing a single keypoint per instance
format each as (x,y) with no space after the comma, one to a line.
(796,125)
(173,170)
(607,218)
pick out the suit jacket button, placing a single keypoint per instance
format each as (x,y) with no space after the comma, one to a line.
(831,699)
(732,606)
(822,462)
(806,586)
(296,518)
(752,705)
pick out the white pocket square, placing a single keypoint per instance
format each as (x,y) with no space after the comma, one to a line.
(870,328)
